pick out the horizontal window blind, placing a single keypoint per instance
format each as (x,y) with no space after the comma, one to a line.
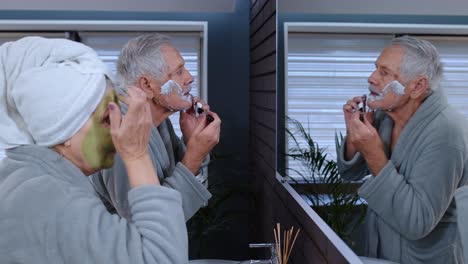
(325,70)
(454,56)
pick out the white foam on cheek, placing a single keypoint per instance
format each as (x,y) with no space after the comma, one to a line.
(171,87)
(187,97)
(394,86)
(373,98)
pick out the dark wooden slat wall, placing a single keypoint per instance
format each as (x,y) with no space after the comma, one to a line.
(262,134)
(273,204)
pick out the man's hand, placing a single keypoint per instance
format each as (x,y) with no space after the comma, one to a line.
(366,140)
(350,109)
(188,119)
(202,140)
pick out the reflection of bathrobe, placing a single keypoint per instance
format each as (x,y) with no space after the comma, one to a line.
(412,215)
(50,213)
(166,151)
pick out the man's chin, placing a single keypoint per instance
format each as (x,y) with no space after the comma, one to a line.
(180,107)
(376,104)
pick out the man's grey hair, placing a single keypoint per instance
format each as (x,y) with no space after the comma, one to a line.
(142,55)
(420,58)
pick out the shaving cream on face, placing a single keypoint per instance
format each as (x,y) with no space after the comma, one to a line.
(171,92)
(393,86)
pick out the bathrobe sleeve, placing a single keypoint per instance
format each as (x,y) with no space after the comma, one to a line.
(194,194)
(413,204)
(354,169)
(112,184)
(155,232)
(179,152)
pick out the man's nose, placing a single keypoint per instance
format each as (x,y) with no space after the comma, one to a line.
(190,78)
(372,79)
(188,82)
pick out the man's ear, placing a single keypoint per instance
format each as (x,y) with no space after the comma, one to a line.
(147,85)
(421,87)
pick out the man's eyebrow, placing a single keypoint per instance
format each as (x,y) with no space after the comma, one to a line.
(180,65)
(384,67)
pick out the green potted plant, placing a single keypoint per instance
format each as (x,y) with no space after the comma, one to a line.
(334,199)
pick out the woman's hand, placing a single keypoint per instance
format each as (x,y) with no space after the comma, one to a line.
(130,133)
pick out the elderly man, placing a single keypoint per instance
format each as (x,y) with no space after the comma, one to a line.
(151,63)
(415,147)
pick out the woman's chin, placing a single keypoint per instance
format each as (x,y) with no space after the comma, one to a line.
(106,163)
(109,162)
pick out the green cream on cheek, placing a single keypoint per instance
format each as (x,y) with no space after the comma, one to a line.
(97,145)
(98,148)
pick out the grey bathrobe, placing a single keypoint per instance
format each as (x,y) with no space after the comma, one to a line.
(412,214)
(166,151)
(50,213)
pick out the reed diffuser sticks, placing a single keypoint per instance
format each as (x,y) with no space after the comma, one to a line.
(285,244)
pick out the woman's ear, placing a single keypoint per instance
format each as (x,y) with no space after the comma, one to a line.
(67,143)
(421,88)
(62,148)
(147,85)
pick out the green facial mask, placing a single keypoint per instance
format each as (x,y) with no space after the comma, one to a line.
(97,145)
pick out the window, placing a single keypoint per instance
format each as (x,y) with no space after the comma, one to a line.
(108,37)
(323,70)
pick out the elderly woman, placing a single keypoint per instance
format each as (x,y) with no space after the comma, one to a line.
(60,122)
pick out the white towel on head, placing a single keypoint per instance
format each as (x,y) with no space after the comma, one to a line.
(48,90)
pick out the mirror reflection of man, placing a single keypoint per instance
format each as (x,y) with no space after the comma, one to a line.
(415,145)
(153,64)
